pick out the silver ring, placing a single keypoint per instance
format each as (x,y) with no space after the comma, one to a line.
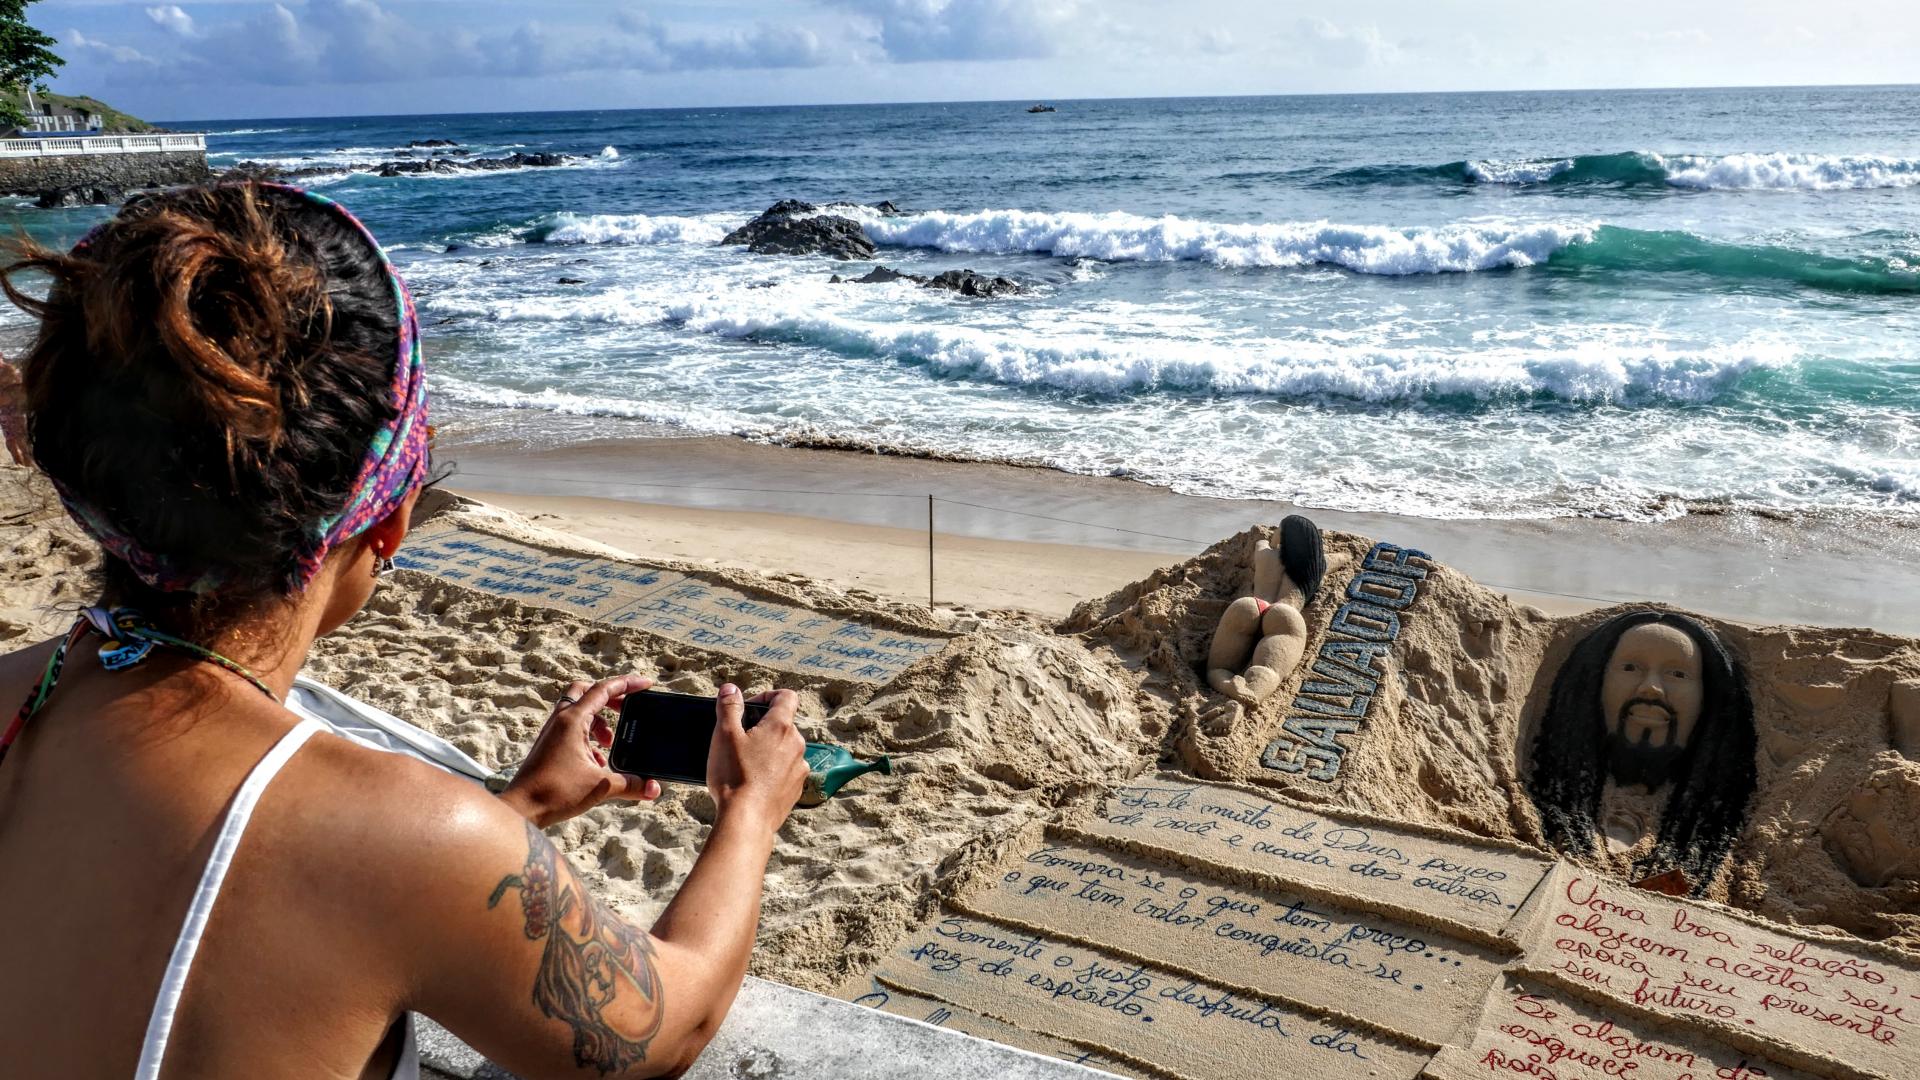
(565,701)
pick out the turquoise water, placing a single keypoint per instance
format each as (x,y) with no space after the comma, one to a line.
(1492,305)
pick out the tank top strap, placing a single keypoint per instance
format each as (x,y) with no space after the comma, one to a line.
(166,1004)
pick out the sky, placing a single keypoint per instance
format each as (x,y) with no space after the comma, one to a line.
(236,59)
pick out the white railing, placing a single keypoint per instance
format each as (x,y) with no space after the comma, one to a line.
(100,144)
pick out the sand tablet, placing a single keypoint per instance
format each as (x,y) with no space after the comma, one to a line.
(1394,976)
(1776,991)
(1528,1029)
(1178,1025)
(668,603)
(1479,887)
(967,1022)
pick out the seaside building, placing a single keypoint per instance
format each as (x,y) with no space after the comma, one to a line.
(77,150)
(46,116)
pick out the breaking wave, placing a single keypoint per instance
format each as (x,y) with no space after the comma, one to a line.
(1295,369)
(1643,170)
(1123,237)
(627,230)
(1376,249)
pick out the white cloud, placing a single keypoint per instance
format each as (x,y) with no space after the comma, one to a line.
(646,45)
(119,54)
(1694,38)
(361,42)
(915,30)
(1217,41)
(172,19)
(1328,44)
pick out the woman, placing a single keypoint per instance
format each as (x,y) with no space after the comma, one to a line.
(226,392)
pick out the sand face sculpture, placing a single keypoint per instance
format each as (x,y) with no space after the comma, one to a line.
(1260,638)
(1647,749)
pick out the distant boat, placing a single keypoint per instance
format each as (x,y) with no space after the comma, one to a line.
(1041,108)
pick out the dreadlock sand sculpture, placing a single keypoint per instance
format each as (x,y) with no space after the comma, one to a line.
(1647,744)
(1383,868)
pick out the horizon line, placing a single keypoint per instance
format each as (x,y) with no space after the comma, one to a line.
(1050,100)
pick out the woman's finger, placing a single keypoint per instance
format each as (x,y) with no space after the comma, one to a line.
(596,696)
(628,786)
(729,708)
(635,684)
(576,690)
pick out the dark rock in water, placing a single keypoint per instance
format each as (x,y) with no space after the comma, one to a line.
(880,275)
(569,281)
(968,283)
(85,195)
(886,207)
(781,231)
(433,142)
(401,166)
(964,282)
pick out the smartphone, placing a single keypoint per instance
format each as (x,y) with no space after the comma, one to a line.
(666,736)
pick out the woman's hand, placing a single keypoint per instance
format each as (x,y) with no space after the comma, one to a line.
(566,773)
(759,771)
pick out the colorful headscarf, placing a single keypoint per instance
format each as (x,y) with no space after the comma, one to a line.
(395,464)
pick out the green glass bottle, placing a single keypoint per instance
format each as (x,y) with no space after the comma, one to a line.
(829,767)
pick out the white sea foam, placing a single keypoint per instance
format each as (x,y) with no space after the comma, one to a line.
(1516,172)
(1803,172)
(1123,237)
(633,230)
(249,131)
(609,153)
(1087,363)
(566,403)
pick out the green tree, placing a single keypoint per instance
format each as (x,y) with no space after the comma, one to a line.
(26,59)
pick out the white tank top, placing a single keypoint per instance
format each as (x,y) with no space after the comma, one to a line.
(166,1004)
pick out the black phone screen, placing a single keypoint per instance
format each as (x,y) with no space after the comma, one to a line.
(666,736)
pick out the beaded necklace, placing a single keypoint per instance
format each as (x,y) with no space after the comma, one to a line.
(130,638)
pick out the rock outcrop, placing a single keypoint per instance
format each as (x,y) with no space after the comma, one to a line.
(86,195)
(792,227)
(964,282)
(410,166)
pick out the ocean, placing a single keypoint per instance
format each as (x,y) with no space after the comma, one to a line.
(1517,305)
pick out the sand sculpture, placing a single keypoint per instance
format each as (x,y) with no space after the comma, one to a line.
(1259,638)
(1647,745)
(1079,852)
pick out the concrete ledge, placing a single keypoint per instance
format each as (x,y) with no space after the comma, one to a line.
(776,1032)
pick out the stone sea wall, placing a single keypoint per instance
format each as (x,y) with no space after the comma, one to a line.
(30,176)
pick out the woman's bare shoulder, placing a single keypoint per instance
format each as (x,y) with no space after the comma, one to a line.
(21,668)
(407,838)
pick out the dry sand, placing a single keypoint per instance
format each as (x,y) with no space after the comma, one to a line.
(1085,851)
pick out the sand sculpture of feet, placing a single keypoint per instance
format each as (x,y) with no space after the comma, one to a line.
(1261,637)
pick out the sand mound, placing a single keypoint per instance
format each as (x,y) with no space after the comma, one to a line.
(1416,859)
(1830,838)
(991,732)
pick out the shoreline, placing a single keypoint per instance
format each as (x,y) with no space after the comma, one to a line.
(1046,539)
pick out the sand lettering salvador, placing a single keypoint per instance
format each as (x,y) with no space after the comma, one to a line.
(1333,703)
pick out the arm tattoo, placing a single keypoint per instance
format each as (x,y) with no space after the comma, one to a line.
(597,972)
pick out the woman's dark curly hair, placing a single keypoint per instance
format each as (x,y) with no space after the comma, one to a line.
(210,368)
